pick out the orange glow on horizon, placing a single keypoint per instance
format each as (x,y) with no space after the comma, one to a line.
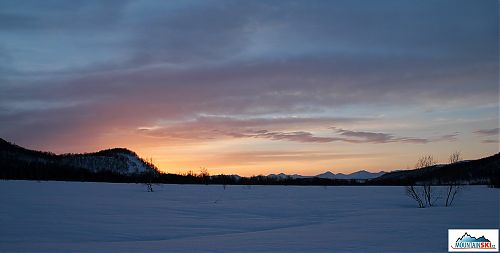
(248,157)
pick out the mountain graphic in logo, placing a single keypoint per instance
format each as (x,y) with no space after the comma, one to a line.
(482,241)
(468,238)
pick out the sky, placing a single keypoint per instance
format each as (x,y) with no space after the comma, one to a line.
(253,87)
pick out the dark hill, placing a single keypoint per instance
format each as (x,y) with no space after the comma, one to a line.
(20,163)
(482,171)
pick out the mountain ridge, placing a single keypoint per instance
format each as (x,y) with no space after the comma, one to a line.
(483,170)
(116,160)
(360,175)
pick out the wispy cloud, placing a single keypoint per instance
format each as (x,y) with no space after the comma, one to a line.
(488,132)
(210,128)
(490,141)
(491,132)
(447,137)
(297,136)
(372,137)
(214,127)
(272,70)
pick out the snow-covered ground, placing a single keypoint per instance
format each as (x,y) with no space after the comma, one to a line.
(104,217)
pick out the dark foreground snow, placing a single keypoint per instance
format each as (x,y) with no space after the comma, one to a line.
(103,217)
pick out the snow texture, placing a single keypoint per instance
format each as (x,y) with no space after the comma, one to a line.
(106,217)
(134,165)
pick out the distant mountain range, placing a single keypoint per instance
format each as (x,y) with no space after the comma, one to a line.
(362,174)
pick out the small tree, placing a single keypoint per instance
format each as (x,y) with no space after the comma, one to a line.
(150,175)
(453,186)
(413,193)
(204,175)
(423,162)
(149,186)
(149,178)
(425,196)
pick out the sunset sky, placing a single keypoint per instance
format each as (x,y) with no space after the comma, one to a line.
(253,87)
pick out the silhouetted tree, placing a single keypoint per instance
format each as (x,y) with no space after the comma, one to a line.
(454,186)
(204,175)
(424,194)
(423,162)
(150,175)
(413,192)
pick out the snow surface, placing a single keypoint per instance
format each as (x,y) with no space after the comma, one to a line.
(134,165)
(106,217)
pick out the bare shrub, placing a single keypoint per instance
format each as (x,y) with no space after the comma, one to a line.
(453,186)
(149,178)
(149,186)
(423,194)
(423,162)
(150,175)
(204,175)
(414,193)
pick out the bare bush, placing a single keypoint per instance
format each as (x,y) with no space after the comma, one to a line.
(413,193)
(204,175)
(149,179)
(423,162)
(149,186)
(453,186)
(423,194)
(151,175)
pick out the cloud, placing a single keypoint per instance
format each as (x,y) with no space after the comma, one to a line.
(34,16)
(488,132)
(447,137)
(137,63)
(490,141)
(277,129)
(297,136)
(371,137)
(213,127)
